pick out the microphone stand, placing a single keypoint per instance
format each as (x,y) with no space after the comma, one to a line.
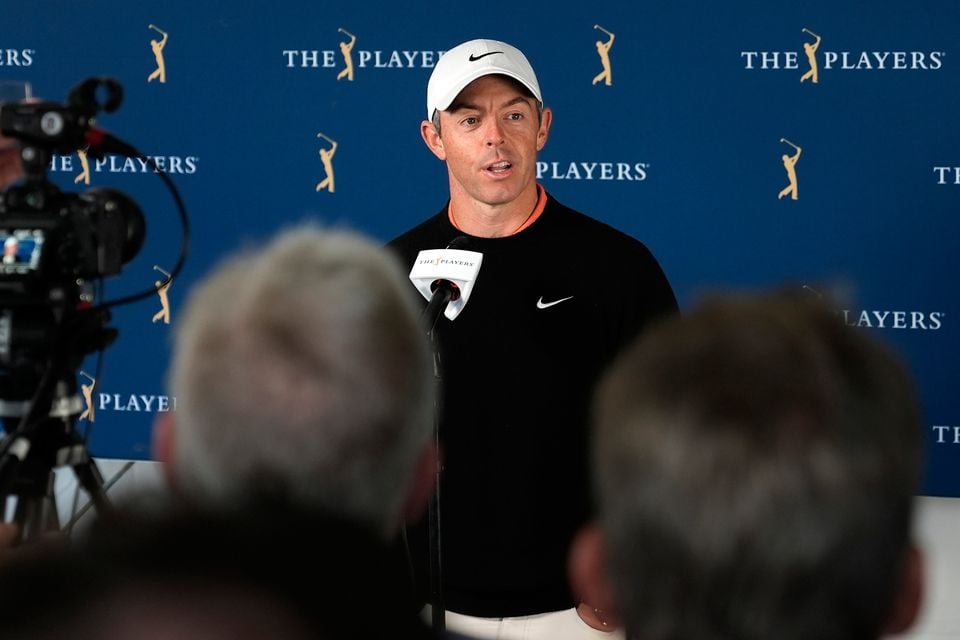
(443,294)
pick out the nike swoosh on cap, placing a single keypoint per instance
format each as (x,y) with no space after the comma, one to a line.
(474,58)
(545,305)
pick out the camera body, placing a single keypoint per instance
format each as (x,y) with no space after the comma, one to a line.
(51,238)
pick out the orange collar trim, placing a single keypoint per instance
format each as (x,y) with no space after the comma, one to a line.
(534,215)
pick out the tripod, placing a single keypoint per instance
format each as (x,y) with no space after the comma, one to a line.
(40,432)
(30,453)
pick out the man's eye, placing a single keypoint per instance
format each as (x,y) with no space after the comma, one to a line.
(470,121)
(516,115)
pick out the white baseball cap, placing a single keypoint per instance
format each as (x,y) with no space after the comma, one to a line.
(466,62)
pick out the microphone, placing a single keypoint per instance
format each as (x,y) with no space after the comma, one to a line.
(445,277)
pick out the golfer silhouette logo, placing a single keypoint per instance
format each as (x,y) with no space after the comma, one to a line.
(790,164)
(346,50)
(326,157)
(84,175)
(810,48)
(162,286)
(603,50)
(157,46)
(87,390)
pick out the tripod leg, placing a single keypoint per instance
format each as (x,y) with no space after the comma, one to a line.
(36,513)
(89,477)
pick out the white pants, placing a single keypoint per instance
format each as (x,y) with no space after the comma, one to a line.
(556,625)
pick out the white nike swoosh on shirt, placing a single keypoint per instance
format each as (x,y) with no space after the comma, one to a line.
(544,305)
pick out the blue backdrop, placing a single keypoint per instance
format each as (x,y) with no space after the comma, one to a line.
(682,149)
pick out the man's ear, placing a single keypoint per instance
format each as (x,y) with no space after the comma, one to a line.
(430,136)
(909,597)
(587,572)
(546,119)
(422,484)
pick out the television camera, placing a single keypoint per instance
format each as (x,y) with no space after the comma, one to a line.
(57,247)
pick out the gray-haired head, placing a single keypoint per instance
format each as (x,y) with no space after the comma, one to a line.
(756,464)
(299,369)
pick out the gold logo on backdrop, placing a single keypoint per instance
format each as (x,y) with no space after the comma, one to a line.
(87,390)
(346,50)
(160,73)
(162,287)
(83,176)
(790,164)
(603,50)
(810,48)
(326,157)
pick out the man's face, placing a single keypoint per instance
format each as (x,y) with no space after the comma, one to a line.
(489,138)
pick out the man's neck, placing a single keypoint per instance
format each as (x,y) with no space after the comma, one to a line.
(493,221)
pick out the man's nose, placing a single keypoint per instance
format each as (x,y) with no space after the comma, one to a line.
(493,135)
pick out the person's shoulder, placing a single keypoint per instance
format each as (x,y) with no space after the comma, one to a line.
(594,234)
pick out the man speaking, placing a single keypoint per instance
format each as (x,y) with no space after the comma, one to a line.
(557,295)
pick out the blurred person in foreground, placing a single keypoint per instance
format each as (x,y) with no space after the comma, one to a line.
(302,378)
(755,467)
(261,570)
(300,371)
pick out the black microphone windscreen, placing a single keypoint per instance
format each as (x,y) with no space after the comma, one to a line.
(458,243)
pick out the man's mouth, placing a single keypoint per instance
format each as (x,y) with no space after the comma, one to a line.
(499,167)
